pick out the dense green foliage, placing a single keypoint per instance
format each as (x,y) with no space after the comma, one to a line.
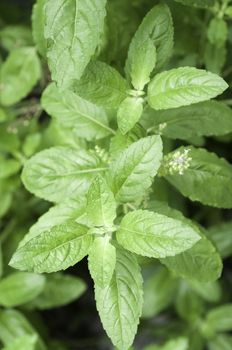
(113,152)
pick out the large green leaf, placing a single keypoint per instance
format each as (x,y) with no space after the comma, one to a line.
(152,43)
(56,249)
(201,119)
(18,75)
(20,288)
(131,174)
(70,110)
(101,205)
(182,87)
(201,262)
(102,260)
(102,85)
(120,303)
(207,178)
(155,235)
(60,173)
(60,289)
(72,30)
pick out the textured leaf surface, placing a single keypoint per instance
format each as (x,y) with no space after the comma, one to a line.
(155,235)
(59,173)
(20,288)
(120,303)
(101,205)
(56,249)
(208,179)
(73,29)
(157,29)
(70,110)
(129,113)
(102,85)
(18,75)
(101,261)
(201,119)
(182,87)
(131,174)
(60,289)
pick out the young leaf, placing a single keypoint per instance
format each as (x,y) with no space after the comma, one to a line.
(101,205)
(102,84)
(155,235)
(201,119)
(221,236)
(18,75)
(25,342)
(120,303)
(207,178)
(59,173)
(130,175)
(101,261)
(129,113)
(182,87)
(20,288)
(8,167)
(72,29)
(141,61)
(56,249)
(70,110)
(214,57)
(38,23)
(60,289)
(155,32)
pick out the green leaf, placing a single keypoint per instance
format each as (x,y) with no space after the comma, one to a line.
(182,87)
(120,303)
(141,60)
(72,29)
(155,34)
(38,23)
(131,174)
(129,113)
(102,261)
(31,144)
(57,215)
(101,205)
(18,75)
(102,84)
(198,3)
(222,238)
(14,325)
(220,342)
(155,235)
(56,249)
(214,57)
(201,262)
(219,319)
(159,291)
(207,178)
(22,343)
(60,289)
(217,31)
(180,343)
(59,172)
(8,167)
(15,36)
(210,291)
(20,288)
(201,119)
(70,110)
